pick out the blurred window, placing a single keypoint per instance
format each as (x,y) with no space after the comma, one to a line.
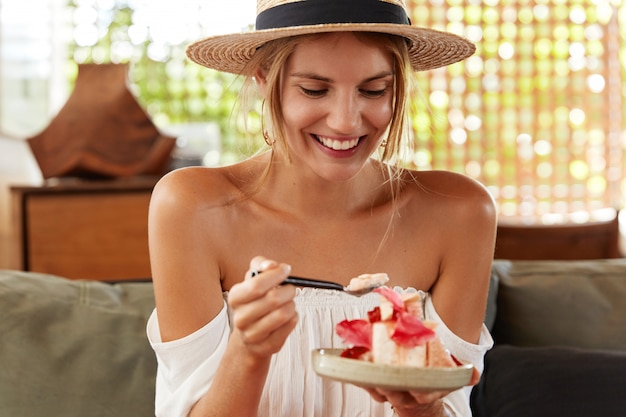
(536,114)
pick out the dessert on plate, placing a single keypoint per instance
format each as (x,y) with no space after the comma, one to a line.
(394,333)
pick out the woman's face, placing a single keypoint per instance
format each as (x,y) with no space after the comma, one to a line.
(337,94)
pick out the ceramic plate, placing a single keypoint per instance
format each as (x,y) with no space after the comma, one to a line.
(328,363)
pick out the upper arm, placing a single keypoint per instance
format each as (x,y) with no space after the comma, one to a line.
(460,292)
(184,269)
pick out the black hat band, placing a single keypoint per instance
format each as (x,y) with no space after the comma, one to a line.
(318,12)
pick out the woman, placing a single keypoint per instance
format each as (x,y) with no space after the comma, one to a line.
(317,204)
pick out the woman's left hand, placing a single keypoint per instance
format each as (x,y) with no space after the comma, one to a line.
(416,403)
(411,403)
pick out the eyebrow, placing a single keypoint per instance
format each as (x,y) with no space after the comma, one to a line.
(317,77)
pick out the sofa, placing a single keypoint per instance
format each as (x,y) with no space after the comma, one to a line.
(78,348)
(560,340)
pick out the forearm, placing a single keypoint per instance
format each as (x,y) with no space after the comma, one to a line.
(237,387)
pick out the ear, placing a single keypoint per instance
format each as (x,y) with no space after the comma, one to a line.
(260,77)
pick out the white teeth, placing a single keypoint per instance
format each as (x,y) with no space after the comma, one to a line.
(338,145)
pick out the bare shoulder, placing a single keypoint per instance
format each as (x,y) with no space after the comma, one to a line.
(192,202)
(451,191)
(459,211)
(200,188)
(192,186)
(447,183)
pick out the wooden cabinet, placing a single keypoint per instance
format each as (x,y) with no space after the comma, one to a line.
(83,229)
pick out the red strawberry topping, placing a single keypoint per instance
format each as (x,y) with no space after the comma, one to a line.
(410,331)
(355,332)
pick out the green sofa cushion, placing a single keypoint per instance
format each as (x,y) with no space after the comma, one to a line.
(572,303)
(74,348)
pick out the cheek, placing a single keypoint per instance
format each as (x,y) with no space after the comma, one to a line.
(298,115)
(292,114)
(381,115)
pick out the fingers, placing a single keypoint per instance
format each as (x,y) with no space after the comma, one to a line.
(259,264)
(376,395)
(268,274)
(264,342)
(274,340)
(475,377)
(426,398)
(264,312)
(258,318)
(422,402)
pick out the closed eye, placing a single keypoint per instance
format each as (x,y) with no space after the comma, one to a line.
(374,93)
(313,93)
(320,93)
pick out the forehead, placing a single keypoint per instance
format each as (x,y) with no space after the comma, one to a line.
(343,50)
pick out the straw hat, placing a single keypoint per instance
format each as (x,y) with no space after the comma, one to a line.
(428,48)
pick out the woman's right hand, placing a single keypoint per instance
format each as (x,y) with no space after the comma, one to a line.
(264,312)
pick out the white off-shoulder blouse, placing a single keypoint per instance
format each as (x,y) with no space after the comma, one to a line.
(186,366)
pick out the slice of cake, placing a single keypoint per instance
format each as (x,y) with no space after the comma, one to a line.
(395,334)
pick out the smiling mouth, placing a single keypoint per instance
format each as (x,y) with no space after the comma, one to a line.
(338,145)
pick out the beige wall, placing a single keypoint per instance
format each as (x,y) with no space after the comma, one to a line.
(17,167)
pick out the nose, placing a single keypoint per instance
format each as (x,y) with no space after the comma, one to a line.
(344,113)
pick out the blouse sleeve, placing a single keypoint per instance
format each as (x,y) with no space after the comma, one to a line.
(186,367)
(457,402)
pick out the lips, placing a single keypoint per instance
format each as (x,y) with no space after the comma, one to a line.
(338,145)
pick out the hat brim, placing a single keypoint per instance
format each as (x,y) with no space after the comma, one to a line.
(428,48)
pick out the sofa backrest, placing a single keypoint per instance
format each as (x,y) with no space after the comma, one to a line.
(567,303)
(74,348)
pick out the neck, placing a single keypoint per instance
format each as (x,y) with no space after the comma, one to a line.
(291,188)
